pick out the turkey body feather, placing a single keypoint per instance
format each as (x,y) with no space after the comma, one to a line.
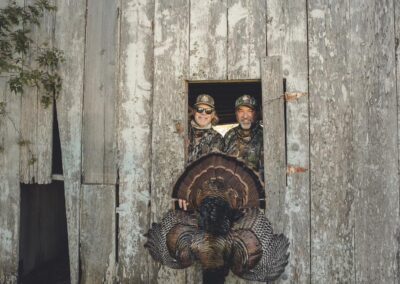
(224,230)
(250,248)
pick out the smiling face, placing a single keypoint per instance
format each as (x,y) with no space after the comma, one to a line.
(203,119)
(245,116)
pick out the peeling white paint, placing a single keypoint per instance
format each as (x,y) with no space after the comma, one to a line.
(317,14)
(237,13)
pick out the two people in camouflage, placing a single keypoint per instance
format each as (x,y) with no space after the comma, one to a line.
(244,141)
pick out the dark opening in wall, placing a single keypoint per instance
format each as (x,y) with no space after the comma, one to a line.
(225,94)
(57,162)
(43,247)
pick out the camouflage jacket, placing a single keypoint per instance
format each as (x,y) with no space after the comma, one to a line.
(247,145)
(203,141)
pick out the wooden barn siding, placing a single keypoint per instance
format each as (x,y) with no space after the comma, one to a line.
(246,38)
(9,183)
(331,132)
(397,57)
(171,62)
(287,37)
(274,142)
(97,234)
(375,164)
(353,114)
(36,120)
(134,138)
(99,165)
(70,37)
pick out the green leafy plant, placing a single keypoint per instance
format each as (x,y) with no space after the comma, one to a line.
(16,44)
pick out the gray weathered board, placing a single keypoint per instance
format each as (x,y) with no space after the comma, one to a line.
(354,152)
(134,138)
(10,111)
(37,120)
(397,56)
(331,132)
(171,61)
(69,110)
(97,234)
(274,141)
(287,37)
(208,40)
(99,104)
(247,31)
(375,180)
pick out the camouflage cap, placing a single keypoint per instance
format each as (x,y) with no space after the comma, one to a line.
(204,99)
(246,100)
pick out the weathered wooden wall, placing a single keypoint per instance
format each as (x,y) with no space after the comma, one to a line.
(354,153)
(334,188)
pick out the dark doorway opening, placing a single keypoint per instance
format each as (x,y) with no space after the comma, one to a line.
(43,253)
(225,94)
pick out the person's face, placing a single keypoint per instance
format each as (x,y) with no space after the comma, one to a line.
(202,118)
(245,116)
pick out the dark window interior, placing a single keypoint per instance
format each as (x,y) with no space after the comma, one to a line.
(225,95)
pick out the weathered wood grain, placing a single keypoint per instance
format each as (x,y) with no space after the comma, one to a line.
(36,120)
(375,158)
(10,113)
(69,111)
(134,138)
(287,37)
(99,111)
(97,234)
(331,149)
(171,45)
(246,38)
(208,40)
(274,140)
(397,59)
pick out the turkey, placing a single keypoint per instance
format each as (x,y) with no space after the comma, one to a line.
(224,228)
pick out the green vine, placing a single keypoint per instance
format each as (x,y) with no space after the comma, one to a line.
(16,44)
(25,62)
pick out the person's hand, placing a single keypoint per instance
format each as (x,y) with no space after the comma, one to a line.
(183,204)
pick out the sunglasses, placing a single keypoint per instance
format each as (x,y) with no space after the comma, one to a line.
(206,110)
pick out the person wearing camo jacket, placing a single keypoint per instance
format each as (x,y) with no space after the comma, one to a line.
(202,138)
(245,141)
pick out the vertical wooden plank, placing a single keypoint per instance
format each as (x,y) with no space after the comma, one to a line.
(331,151)
(99,136)
(376,181)
(44,134)
(171,51)
(397,57)
(246,38)
(274,140)
(69,110)
(10,111)
(208,40)
(36,120)
(287,36)
(134,138)
(97,235)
